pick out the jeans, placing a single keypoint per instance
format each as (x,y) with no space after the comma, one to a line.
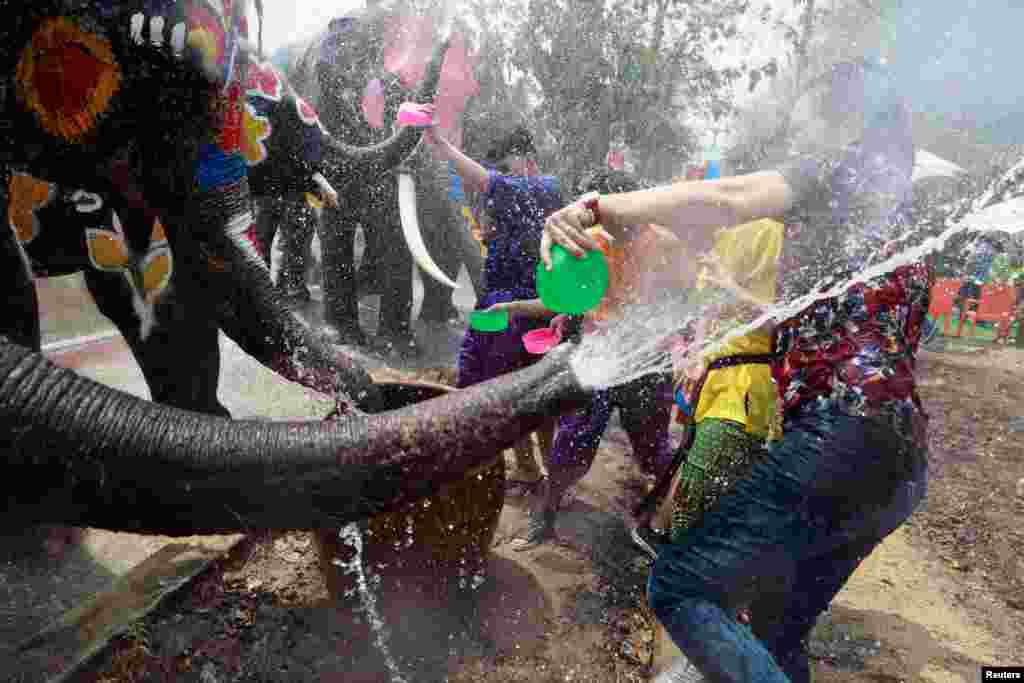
(794,529)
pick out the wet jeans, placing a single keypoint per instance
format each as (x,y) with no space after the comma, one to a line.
(794,530)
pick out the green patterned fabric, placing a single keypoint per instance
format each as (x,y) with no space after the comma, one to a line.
(722,452)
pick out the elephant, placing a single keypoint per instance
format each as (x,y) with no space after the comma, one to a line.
(445,234)
(63,231)
(141,97)
(334,71)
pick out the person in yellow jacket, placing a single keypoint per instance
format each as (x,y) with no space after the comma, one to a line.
(728,393)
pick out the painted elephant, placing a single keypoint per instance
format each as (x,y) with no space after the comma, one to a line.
(140,95)
(127,259)
(445,233)
(334,72)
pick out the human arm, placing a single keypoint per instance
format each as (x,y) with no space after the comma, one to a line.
(472,173)
(692,210)
(530,308)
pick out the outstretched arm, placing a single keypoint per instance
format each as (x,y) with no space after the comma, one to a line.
(474,175)
(693,210)
(530,308)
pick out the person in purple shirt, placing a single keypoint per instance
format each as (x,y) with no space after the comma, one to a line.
(514,202)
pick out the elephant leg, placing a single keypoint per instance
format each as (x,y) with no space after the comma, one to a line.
(19,323)
(19,309)
(438,235)
(341,293)
(394,265)
(269,213)
(296,228)
(180,358)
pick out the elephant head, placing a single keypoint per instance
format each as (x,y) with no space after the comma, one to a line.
(130,95)
(334,71)
(290,151)
(281,149)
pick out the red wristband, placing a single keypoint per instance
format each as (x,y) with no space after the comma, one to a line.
(591,204)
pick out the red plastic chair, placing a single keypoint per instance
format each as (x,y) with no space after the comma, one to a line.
(943,296)
(998,304)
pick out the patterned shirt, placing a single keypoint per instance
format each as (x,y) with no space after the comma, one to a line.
(853,353)
(518,205)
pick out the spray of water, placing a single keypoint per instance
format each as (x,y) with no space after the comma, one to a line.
(639,343)
(636,345)
(352,537)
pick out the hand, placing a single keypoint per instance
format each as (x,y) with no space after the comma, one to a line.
(566,227)
(560,323)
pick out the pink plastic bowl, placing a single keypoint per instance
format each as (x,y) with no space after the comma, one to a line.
(542,340)
(412,114)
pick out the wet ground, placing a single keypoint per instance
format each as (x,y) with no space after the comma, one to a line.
(35,587)
(939,599)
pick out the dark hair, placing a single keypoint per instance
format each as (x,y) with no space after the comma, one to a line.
(518,142)
(607,181)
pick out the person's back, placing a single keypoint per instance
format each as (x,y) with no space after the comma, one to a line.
(517,207)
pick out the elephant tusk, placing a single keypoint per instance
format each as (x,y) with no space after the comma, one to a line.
(327,191)
(411,231)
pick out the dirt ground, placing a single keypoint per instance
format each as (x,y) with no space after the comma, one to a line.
(940,598)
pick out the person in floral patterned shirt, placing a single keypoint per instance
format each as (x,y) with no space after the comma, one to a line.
(851,465)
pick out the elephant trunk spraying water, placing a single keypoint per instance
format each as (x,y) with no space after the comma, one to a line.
(76,452)
(83,454)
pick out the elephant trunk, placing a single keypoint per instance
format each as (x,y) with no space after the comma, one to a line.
(82,454)
(252,312)
(344,159)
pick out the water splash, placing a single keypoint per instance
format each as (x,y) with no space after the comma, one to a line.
(352,537)
(632,347)
(639,343)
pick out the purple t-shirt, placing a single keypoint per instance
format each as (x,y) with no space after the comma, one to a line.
(518,206)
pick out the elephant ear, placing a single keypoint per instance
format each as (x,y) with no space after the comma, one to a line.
(408,45)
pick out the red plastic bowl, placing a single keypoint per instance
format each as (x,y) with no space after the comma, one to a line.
(542,340)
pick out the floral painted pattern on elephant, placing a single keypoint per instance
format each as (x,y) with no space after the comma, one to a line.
(27,195)
(209,30)
(256,129)
(148,273)
(308,114)
(264,81)
(67,77)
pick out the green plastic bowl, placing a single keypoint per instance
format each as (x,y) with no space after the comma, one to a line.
(488,321)
(572,285)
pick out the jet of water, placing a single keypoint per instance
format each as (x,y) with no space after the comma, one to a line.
(639,343)
(352,537)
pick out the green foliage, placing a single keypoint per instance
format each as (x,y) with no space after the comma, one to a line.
(585,75)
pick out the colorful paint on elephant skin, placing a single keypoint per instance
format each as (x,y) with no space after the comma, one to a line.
(148,274)
(218,169)
(308,115)
(209,30)
(67,77)
(27,195)
(264,81)
(233,120)
(256,129)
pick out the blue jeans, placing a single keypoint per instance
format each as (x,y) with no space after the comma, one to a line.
(795,528)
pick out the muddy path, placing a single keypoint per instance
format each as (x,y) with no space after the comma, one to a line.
(940,598)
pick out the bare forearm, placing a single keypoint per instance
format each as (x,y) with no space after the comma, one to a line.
(695,210)
(529,308)
(472,173)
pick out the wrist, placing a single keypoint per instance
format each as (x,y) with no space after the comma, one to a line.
(592,204)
